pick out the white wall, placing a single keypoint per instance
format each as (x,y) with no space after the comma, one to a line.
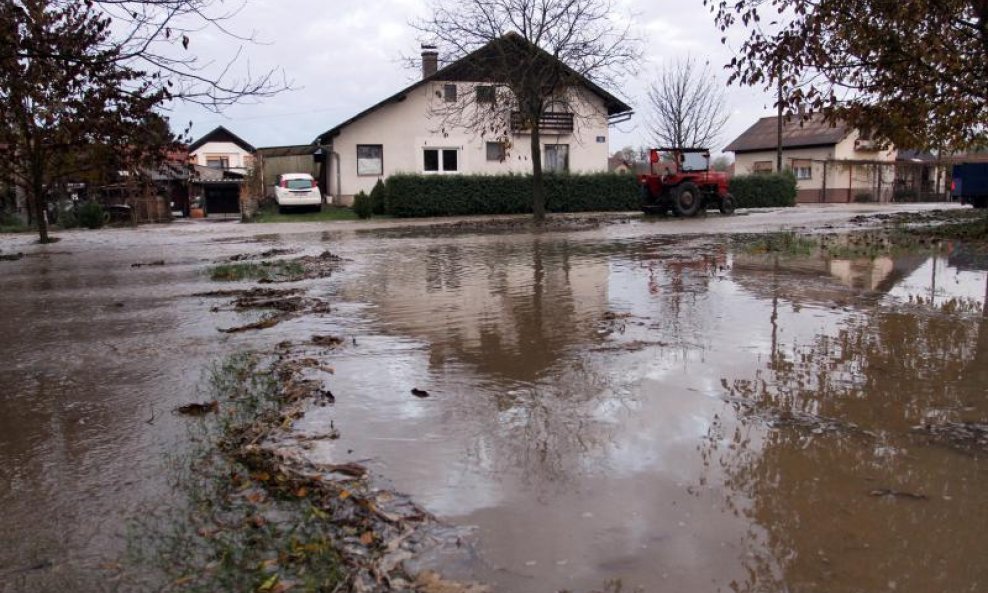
(240,160)
(407,127)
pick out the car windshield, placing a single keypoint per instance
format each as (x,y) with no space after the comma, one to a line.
(299,183)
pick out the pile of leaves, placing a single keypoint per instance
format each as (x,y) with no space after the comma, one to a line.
(260,517)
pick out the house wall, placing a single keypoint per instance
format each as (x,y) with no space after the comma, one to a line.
(407,127)
(832,167)
(240,159)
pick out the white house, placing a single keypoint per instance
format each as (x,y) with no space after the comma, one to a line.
(414,131)
(832,163)
(222,149)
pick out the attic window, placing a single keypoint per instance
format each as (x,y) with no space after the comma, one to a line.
(449,93)
(485,94)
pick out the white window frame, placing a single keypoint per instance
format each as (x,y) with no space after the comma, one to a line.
(441,164)
(364,168)
(502,152)
(545,158)
(802,169)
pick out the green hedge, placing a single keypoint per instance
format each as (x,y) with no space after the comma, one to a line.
(764,190)
(451,195)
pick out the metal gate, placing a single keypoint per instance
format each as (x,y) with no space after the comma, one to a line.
(222,198)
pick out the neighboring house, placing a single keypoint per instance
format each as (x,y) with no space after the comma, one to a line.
(222,149)
(616,164)
(832,163)
(408,132)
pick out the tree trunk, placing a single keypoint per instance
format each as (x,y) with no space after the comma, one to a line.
(36,196)
(538,187)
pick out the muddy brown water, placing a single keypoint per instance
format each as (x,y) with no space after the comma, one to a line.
(605,404)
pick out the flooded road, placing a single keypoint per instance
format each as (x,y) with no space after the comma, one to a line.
(622,403)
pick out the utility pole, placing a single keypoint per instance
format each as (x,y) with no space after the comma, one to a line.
(778,147)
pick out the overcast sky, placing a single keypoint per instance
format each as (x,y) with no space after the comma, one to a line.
(346,55)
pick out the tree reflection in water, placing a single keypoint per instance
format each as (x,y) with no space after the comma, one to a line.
(829,502)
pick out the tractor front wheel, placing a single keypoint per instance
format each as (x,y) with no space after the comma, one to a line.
(727,205)
(686,199)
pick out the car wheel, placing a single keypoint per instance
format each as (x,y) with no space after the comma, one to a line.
(687,200)
(727,205)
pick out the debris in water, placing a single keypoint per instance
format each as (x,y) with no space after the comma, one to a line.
(11,256)
(265,323)
(262,255)
(897,494)
(159,262)
(354,470)
(252,293)
(968,436)
(199,409)
(325,396)
(419,392)
(330,341)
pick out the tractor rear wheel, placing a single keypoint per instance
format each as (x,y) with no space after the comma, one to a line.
(727,205)
(686,199)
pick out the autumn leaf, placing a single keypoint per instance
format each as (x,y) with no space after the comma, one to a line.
(269,584)
(367,538)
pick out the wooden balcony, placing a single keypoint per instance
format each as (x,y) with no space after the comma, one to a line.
(549,123)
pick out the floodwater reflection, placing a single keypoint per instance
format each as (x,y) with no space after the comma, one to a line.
(619,411)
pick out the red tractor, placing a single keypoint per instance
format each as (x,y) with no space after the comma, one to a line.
(680,181)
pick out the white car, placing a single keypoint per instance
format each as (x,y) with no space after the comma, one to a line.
(297,190)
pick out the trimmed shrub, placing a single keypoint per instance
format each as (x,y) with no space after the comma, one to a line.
(863,197)
(362,205)
(379,198)
(453,195)
(764,190)
(91,215)
(67,219)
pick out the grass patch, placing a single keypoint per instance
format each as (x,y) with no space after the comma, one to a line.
(328,213)
(975,230)
(229,533)
(897,241)
(788,243)
(269,271)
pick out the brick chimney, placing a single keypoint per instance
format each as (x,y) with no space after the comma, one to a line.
(430,60)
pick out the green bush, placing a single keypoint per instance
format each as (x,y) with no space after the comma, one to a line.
(92,215)
(362,205)
(452,195)
(379,198)
(864,197)
(764,190)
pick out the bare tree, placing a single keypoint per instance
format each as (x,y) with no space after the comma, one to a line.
(687,106)
(157,38)
(528,60)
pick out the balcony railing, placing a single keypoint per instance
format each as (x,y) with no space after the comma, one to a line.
(550,123)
